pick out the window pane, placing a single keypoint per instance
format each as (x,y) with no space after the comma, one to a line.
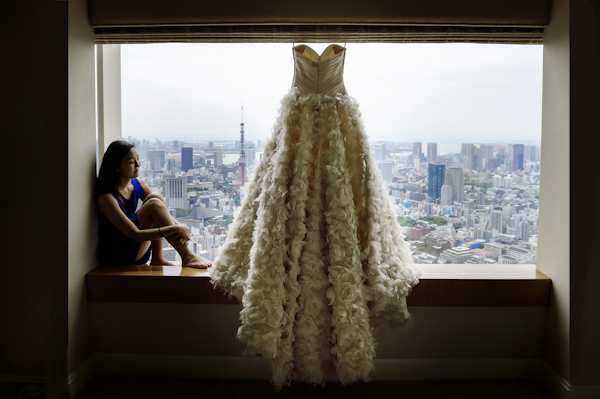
(455,129)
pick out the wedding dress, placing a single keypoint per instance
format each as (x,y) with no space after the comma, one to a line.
(316,255)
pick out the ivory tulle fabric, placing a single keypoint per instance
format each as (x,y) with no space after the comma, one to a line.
(315,254)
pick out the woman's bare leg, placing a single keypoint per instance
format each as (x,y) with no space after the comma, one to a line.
(157,245)
(154,213)
(157,254)
(144,245)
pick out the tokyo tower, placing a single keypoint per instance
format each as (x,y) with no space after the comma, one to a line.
(242,173)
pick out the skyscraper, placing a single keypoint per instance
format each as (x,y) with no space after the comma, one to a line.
(218,158)
(417,151)
(386,170)
(475,160)
(500,158)
(482,157)
(437,178)
(489,152)
(524,231)
(517,160)
(176,190)
(432,152)
(470,221)
(455,179)
(250,154)
(466,150)
(497,220)
(187,158)
(156,159)
(530,153)
(428,209)
(379,150)
(446,195)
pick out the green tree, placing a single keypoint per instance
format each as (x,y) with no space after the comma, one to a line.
(527,246)
(407,221)
(475,183)
(448,262)
(181,213)
(435,262)
(440,221)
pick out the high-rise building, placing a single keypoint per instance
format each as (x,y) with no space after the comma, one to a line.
(187,158)
(482,157)
(500,158)
(524,231)
(175,143)
(379,150)
(218,158)
(446,195)
(455,178)
(470,221)
(250,153)
(428,209)
(386,170)
(492,164)
(466,162)
(466,150)
(517,153)
(489,149)
(417,151)
(475,160)
(176,190)
(170,164)
(156,160)
(497,220)
(437,178)
(530,153)
(497,181)
(432,153)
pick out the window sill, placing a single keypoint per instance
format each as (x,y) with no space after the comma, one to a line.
(463,285)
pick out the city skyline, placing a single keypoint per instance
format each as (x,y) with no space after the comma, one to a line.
(477,205)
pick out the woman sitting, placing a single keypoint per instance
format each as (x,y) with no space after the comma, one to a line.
(127,236)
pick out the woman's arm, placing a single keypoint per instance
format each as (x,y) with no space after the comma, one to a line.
(109,207)
(148,191)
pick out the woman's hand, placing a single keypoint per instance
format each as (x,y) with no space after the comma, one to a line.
(182,234)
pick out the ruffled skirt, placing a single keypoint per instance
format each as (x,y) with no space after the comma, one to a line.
(315,254)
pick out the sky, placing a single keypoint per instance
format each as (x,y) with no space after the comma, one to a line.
(449,92)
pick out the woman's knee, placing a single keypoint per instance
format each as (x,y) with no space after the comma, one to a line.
(154,196)
(152,205)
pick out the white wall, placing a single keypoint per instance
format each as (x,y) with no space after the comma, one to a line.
(553,247)
(82,174)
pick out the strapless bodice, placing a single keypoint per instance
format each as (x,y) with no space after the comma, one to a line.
(322,74)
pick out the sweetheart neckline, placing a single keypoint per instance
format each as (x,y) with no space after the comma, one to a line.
(319,55)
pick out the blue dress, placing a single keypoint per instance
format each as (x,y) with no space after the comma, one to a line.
(114,247)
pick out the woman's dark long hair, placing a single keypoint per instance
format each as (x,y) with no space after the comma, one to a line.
(109,174)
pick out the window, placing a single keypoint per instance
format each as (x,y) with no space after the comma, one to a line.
(455,129)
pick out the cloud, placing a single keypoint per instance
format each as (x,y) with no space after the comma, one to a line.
(407,92)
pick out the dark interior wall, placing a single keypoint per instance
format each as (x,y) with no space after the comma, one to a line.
(585,191)
(33,287)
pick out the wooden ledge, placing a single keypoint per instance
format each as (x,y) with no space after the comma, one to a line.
(463,285)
